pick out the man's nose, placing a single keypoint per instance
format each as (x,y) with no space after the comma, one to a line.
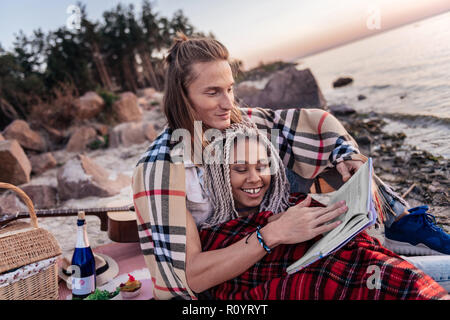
(227,101)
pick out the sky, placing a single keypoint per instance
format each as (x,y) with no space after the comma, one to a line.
(253,30)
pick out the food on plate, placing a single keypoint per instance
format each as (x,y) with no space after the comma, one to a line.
(131,288)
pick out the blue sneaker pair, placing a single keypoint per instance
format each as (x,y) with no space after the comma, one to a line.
(417,234)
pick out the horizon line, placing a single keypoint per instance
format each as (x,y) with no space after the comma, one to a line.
(364,36)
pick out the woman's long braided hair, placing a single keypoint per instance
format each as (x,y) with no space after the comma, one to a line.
(217,174)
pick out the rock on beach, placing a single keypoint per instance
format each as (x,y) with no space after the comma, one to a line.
(286,88)
(88,106)
(341,82)
(27,138)
(81,177)
(16,167)
(126,109)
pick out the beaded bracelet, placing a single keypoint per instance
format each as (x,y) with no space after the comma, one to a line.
(261,240)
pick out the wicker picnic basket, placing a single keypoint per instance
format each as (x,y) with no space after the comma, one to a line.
(28,253)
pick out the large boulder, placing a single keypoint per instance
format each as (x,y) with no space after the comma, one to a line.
(15,166)
(127,134)
(11,203)
(81,177)
(27,138)
(56,138)
(42,196)
(81,137)
(126,108)
(42,162)
(88,106)
(286,88)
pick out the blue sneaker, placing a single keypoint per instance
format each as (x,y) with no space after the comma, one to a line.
(417,234)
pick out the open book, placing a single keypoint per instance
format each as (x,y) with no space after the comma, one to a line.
(357,193)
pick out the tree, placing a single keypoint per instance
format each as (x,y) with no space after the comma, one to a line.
(21,76)
(10,70)
(120,52)
(91,37)
(150,40)
(119,44)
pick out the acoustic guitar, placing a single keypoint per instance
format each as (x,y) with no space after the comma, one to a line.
(119,222)
(122,225)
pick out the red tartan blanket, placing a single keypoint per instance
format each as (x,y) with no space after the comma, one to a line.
(342,275)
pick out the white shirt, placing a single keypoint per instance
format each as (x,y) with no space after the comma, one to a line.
(197,197)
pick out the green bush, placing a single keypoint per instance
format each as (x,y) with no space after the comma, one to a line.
(107,115)
(99,144)
(107,96)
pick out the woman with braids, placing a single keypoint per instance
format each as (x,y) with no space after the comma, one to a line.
(168,193)
(250,197)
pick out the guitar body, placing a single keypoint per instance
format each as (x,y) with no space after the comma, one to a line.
(122,226)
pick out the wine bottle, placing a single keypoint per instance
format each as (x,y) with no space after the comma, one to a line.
(83,263)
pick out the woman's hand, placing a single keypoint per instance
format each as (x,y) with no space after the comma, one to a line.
(301,223)
(348,168)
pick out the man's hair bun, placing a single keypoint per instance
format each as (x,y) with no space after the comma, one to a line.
(178,39)
(180,36)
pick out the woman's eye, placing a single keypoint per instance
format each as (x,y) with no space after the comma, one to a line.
(211,93)
(262,167)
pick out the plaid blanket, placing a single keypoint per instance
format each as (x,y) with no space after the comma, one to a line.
(309,142)
(342,275)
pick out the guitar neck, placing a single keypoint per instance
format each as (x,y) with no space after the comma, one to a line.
(73,212)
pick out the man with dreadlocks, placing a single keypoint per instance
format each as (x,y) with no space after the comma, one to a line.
(246,182)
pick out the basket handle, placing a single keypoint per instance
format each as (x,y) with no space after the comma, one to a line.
(25,199)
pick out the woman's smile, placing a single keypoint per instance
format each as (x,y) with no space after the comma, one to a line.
(252,192)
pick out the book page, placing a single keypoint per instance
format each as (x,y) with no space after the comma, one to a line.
(357,194)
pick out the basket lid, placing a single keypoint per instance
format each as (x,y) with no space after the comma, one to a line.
(27,246)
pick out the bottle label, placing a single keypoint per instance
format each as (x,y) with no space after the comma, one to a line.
(82,286)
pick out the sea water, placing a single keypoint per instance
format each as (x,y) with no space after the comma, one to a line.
(404,73)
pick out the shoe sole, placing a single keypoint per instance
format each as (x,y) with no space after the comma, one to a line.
(408,249)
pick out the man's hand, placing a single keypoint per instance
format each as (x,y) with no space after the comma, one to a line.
(348,168)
